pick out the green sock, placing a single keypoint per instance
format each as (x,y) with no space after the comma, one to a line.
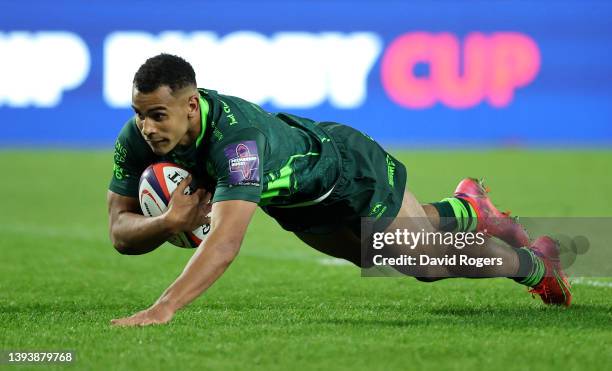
(531,268)
(456,215)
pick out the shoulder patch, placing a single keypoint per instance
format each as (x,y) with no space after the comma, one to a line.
(243,163)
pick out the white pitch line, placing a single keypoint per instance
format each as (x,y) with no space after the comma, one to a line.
(334,262)
(592,283)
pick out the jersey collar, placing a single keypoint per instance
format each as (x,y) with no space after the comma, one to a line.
(204,111)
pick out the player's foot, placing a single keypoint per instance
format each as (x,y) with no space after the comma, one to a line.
(554,288)
(490,220)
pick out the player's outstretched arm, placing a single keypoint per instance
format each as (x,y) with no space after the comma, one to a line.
(230,220)
(132,233)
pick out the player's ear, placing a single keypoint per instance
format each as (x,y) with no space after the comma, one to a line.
(194,106)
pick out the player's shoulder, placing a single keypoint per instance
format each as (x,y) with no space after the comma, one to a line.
(129,131)
(235,113)
(233,119)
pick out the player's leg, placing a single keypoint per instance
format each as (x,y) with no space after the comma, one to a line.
(413,217)
(376,189)
(341,243)
(471,210)
(537,267)
(344,244)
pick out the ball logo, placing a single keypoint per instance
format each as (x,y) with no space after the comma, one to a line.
(175,177)
(487,68)
(155,187)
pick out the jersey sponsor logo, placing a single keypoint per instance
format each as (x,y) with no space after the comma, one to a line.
(228,113)
(118,172)
(119,159)
(243,163)
(377,210)
(217,134)
(390,171)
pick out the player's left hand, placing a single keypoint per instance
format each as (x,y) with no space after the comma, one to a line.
(155,315)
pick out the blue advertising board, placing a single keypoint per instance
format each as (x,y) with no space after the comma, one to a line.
(418,73)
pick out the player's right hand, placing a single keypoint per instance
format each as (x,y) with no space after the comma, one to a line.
(187,212)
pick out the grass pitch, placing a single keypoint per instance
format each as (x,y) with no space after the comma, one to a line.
(282,305)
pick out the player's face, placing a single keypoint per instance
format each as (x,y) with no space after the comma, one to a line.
(163,118)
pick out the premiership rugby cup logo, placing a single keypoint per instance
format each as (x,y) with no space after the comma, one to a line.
(243,163)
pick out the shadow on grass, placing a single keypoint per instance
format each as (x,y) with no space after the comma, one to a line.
(579,317)
(353,322)
(575,311)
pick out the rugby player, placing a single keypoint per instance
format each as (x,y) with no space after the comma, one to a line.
(316,179)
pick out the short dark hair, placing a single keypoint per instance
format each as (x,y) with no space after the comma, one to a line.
(164,69)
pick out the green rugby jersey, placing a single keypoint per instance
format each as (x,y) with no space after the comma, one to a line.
(242,153)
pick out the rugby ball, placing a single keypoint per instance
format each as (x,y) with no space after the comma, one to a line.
(157,183)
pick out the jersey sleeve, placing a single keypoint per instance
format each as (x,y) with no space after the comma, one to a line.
(238,166)
(126,166)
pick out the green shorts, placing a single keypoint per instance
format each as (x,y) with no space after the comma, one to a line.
(371,185)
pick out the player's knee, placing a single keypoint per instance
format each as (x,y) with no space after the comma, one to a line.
(429,279)
(123,250)
(431,273)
